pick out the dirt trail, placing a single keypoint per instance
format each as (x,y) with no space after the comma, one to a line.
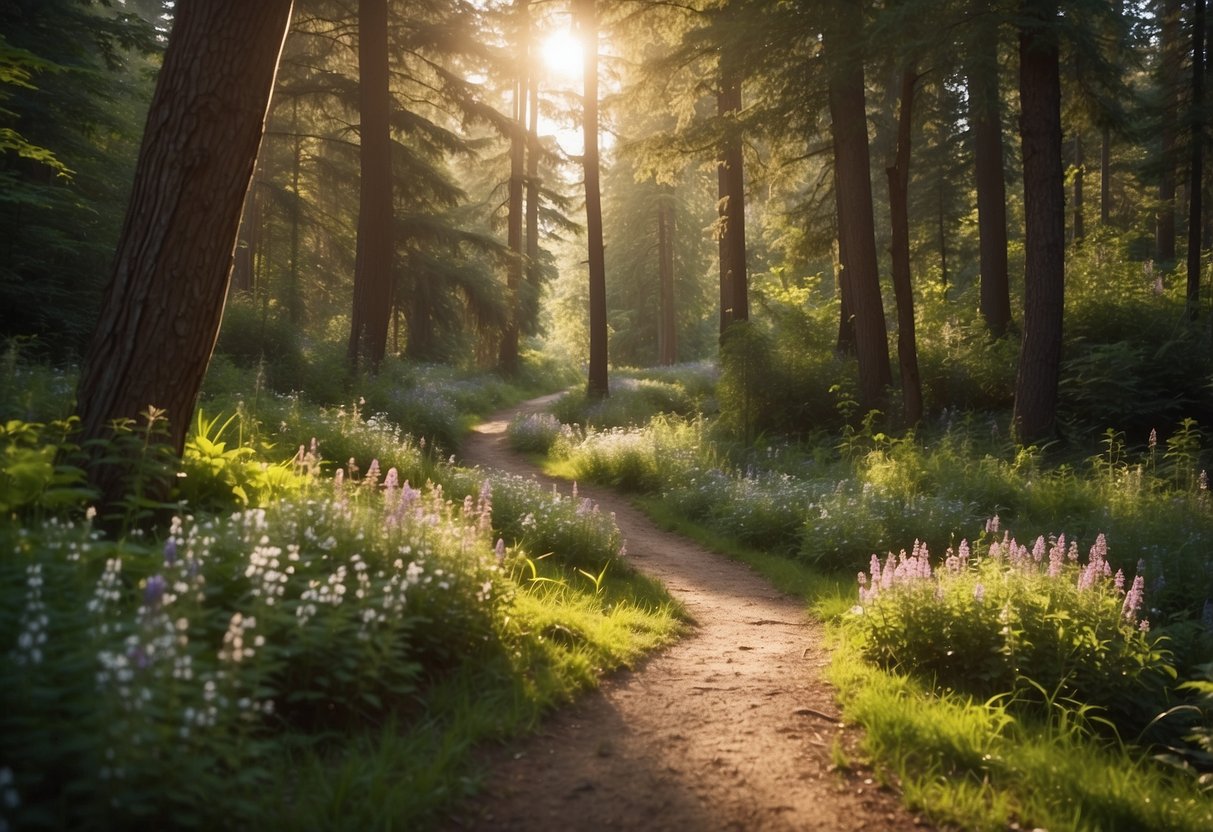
(732,728)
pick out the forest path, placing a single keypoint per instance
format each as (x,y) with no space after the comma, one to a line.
(730,728)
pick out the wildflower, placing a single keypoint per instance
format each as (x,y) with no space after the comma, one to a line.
(1133,600)
(170,551)
(499,550)
(979,593)
(153,591)
(1153,439)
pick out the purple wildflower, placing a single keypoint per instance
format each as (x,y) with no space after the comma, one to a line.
(153,591)
(170,551)
(1133,600)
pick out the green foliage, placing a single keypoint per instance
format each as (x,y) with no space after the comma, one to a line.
(1039,625)
(33,475)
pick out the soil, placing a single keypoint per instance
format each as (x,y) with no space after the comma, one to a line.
(731,728)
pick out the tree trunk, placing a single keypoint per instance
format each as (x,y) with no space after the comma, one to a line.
(1079,162)
(508,355)
(294,298)
(245,264)
(373,263)
(734,279)
(860,278)
(587,19)
(163,305)
(667,331)
(985,108)
(1164,233)
(533,273)
(1196,176)
(1044,222)
(899,215)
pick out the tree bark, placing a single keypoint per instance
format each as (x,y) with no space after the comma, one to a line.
(508,354)
(856,226)
(1196,175)
(1044,222)
(667,331)
(597,386)
(373,262)
(164,302)
(533,273)
(985,109)
(899,215)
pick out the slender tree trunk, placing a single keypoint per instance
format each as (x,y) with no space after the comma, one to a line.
(533,273)
(899,215)
(587,19)
(1196,176)
(294,298)
(162,307)
(734,280)
(861,280)
(1044,222)
(1105,178)
(667,331)
(985,108)
(373,264)
(942,223)
(508,356)
(1079,163)
(243,269)
(1164,234)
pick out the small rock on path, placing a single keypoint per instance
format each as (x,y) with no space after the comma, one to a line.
(731,728)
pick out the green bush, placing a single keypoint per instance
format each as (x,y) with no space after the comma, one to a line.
(1038,623)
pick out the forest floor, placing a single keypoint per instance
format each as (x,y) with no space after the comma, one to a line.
(731,728)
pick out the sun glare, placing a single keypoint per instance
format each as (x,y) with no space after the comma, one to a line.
(562,54)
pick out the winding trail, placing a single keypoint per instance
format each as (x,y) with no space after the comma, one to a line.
(731,728)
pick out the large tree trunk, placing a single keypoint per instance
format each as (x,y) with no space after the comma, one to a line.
(587,20)
(667,330)
(1044,222)
(1172,60)
(734,279)
(1196,176)
(860,278)
(373,263)
(899,215)
(985,110)
(164,301)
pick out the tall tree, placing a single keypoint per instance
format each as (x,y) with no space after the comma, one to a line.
(1044,221)
(734,279)
(508,353)
(373,281)
(1169,72)
(667,329)
(985,112)
(842,36)
(899,215)
(587,24)
(1196,172)
(165,298)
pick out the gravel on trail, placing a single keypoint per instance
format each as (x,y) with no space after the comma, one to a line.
(730,728)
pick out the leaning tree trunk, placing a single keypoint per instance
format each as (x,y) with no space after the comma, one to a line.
(985,108)
(899,215)
(373,263)
(856,226)
(598,386)
(162,307)
(1044,223)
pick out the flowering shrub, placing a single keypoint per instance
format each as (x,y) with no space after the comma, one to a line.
(1033,621)
(535,432)
(166,665)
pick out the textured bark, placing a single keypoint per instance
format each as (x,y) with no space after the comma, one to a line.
(1044,223)
(531,324)
(373,264)
(853,184)
(1164,232)
(899,215)
(587,20)
(1196,174)
(162,307)
(985,112)
(667,330)
(734,279)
